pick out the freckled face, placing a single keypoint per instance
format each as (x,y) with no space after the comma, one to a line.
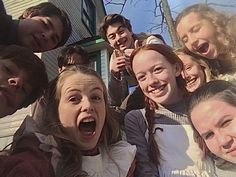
(215,121)
(82,109)
(119,37)
(156,77)
(198,35)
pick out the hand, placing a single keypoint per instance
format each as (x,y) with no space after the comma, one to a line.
(117,63)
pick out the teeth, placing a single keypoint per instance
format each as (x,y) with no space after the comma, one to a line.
(88,120)
(158,89)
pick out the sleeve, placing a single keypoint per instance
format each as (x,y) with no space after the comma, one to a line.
(117,89)
(26,162)
(135,128)
(154,40)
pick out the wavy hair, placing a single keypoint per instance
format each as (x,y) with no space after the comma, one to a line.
(70,164)
(150,105)
(225,26)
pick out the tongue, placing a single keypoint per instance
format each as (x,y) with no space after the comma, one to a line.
(87,128)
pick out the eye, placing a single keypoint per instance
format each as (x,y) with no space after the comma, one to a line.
(96,98)
(74,99)
(188,68)
(111,37)
(121,31)
(208,135)
(226,123)
(196,28)
(158,70)
(141,77)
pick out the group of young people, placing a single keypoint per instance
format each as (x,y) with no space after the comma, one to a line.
(178,122)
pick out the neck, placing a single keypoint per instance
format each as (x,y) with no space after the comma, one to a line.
(91,152)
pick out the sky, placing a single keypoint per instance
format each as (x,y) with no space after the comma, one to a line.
(140,12)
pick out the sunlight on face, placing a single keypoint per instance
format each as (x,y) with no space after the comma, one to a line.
(192,73)
(198,35)
(82,109)
(156,77)
(215,121)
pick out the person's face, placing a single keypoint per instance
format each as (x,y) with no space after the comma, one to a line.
(215,121)
(119,37)
(74,59)
(82,109)
(14,87)
(156,77)
(40,33)
(192,73)
(198,35)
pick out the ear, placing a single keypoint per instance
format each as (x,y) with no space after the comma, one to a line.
(178,69)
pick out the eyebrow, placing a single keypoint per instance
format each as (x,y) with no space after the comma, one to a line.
(217,124)
(121,26)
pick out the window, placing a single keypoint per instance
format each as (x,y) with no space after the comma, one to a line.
(88,16)
(95,58)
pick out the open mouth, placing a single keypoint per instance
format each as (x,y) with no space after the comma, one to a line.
(203,48)
(87,126)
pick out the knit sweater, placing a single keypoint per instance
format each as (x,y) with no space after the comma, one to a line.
(180,155)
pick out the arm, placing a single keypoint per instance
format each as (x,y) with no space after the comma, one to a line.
(135,128)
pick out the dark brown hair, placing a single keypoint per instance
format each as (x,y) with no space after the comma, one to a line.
(111,19)
(71,162)
(48,9)
(65,54)
(32,65)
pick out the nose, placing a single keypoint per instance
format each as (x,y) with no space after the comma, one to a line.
(193,43)
(152,79)
(225,141)
(184,74)
(16,82)
(86,105)
(118,38)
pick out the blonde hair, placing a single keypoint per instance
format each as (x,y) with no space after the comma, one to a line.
(225,26)
(70,164)
(206,68)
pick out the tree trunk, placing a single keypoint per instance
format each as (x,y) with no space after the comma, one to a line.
(170,24)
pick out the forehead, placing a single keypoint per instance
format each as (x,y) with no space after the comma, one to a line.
(188,21)
(187,59)
(205,113)
(83,82)
(145,59)
(113,28)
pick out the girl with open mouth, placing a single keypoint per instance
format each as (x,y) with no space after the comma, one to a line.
(77,135)
(210,33)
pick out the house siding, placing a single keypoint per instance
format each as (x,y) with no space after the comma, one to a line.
(9,124)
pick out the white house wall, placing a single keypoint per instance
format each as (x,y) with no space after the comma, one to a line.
(15,8)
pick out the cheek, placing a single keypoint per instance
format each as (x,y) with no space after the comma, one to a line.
(213,146)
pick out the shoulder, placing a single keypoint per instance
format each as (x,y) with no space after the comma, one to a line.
(135,118)
(25,160)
